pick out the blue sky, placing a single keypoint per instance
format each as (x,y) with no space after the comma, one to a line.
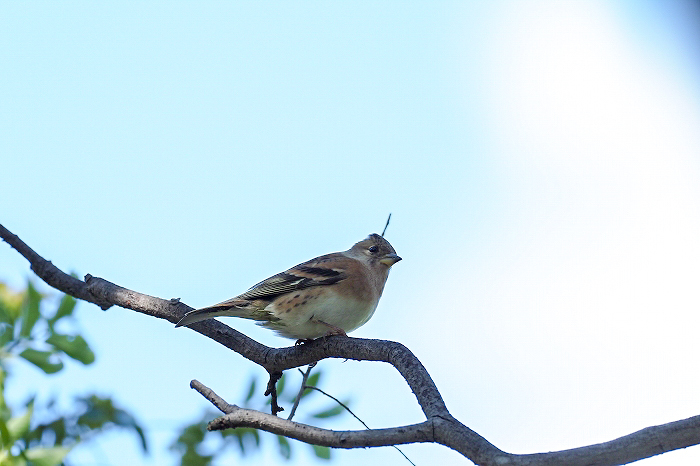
(540,159)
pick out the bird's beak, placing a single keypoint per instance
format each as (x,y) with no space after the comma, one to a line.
(390,259)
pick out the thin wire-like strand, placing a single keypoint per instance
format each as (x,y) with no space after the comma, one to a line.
(355,416)
(387,224)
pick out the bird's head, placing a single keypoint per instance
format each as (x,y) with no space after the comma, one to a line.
(375,250)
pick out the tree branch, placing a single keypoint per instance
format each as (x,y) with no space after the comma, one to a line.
(241,417)
(439,427)
(51,274)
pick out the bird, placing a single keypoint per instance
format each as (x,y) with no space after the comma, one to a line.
(332,294)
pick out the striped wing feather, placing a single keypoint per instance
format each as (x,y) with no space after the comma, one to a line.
(295,279)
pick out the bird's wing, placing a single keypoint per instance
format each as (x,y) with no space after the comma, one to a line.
(324,270)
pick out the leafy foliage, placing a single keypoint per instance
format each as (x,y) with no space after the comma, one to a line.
(191,442)
(22,322)
(43,437)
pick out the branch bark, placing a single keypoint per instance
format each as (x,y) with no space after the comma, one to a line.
(439,426)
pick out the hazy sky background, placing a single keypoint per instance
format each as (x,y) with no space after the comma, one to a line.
(541,161)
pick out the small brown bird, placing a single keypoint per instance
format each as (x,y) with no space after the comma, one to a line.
(329,295)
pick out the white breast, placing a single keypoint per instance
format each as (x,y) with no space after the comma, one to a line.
(319,304)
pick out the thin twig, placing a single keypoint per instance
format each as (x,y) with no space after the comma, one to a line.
(210,395)
(301,390)
(387,224)
(311,387)
(355,416)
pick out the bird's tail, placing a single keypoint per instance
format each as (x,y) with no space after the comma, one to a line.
(237,308)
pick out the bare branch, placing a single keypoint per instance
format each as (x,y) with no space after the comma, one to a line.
(440,426)
(213,398)
(644,443)
(51,274)
(241,417)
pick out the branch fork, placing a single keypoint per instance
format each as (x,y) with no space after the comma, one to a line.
(439,427)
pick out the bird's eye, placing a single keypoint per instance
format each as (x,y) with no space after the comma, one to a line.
(373,249)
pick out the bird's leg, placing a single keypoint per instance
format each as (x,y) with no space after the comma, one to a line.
(332,329)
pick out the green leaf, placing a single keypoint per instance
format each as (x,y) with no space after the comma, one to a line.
(30,311)
(312,381)
(17,427)
(190,437)
(7,333)
(245,436)
(5,436)
(101,411)
(280,385)
(3,406)
(251,390)
(334,411)
(322,452)
(285,447)
(192,458)
(280,388)
(46,456)
(10,304)
(56,428)
(124,419)
(6,459)
(142,436)
(64,309)
(74,346)
(41,359)
(255,433)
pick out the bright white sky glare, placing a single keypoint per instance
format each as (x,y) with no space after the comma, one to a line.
(541,161)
